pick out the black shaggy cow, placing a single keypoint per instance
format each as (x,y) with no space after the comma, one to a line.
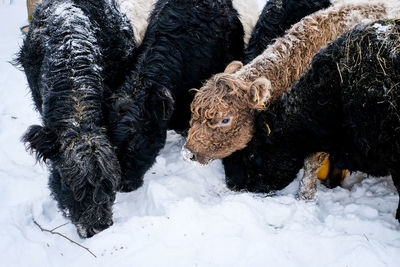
(105,103)
(347,104)
(74,53)
(185,43)
(276,17)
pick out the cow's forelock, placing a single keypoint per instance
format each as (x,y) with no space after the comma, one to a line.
(222,96)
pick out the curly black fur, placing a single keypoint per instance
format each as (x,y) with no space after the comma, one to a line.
(79,58)
(276,17)
(347,104)
(185,43)
(74,55)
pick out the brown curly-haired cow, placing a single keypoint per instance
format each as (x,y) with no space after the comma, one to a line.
(223,109)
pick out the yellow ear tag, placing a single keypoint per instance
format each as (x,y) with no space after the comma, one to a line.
(324,170)
(344,173)
(255,99)
(268,129)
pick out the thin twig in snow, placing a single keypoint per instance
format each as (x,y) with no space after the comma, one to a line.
(58,227)
(366,237)
(60,234)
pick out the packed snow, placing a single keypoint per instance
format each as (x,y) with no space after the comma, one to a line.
(183,215)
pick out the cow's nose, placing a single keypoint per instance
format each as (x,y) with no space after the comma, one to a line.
(188,155)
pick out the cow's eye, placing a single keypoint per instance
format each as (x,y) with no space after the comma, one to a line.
(225,121)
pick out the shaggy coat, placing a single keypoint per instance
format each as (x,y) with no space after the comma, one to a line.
(276,17)
(79,56)
(75,54)
(234,94)
(186,42)
(138,13)
(223,109)
(103,124)
(347,104)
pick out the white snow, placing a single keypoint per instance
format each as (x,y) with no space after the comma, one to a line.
(381,28)
(183,215)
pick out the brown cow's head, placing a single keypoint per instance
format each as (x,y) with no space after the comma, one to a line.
(222,115)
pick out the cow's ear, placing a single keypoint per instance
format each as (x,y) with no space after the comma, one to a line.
(233,67)
(259,93)
(42,141)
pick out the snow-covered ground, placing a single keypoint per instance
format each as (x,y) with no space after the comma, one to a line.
(183,215)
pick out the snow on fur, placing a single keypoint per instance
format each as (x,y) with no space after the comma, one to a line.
(182,216)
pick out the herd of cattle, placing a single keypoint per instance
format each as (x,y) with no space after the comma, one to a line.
(320,83)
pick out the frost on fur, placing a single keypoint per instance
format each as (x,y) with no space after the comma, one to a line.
(70,67)
(228,95)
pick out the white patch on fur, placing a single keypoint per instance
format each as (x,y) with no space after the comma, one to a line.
(138,13)
(382,32)
(381,28)
(249,11)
